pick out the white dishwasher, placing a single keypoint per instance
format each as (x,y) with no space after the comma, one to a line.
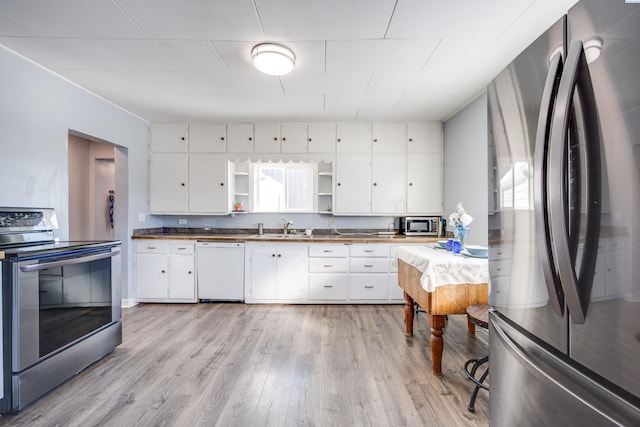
(220,271)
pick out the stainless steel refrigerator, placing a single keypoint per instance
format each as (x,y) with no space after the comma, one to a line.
(564,161)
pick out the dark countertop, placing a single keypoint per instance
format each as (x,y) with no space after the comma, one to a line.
(238,235)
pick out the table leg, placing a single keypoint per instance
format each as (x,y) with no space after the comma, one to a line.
(471,327)
(437,322)
(408,315)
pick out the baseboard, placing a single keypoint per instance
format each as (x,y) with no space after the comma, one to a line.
(129,302)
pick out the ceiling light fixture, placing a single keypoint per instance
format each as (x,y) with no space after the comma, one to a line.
(273,59)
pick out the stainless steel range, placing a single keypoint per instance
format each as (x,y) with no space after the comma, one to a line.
(60,305)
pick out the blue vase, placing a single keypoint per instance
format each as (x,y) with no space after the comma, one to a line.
(461,233)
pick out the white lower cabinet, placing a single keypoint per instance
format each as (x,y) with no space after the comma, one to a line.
(165,271)
(328,273)
(276,272)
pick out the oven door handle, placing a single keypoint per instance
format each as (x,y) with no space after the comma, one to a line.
(62,263)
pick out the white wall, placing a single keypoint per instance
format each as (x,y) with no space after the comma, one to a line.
(465,166)
(38,109)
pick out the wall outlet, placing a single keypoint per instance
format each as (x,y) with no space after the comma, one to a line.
(182,221)
(142,217)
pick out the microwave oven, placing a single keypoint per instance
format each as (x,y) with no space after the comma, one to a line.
(420,226)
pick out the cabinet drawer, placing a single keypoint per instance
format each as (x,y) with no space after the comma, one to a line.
(366,265)
(328,286)
(179,248)
(501,251)
(337,251)
(372,286)
(152,247)
(369,251)
(328,265)
(500,268)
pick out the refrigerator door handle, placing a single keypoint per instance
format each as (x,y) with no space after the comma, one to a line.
(540,196)
(576,287)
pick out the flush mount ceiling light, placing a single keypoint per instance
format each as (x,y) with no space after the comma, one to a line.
(273,59)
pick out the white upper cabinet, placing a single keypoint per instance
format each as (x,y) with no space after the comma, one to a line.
(424,184)
(353,138)
(208,183)
(207,138)
(321,138)
(168,182)
(389,138)
(293,138)
(267,138)
(240,138)
(388,178)
(424,137)
(169,137)
(353,184)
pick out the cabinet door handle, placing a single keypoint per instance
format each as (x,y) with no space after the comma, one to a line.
(279,255)
(182,184)
(162,271)
(284,138)
(375,184)
(273,255)
(410,139)
(275,138)
(309,139)
(189,272)
(250,139)
(222,138)
(368,286)
(411,184)
(222,184)
(328,286)
(375,139)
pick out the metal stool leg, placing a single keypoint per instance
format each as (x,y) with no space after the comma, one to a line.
(471,374)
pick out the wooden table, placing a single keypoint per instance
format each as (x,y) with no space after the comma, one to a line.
(442,301)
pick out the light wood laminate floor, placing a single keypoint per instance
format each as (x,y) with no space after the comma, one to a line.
(269,365)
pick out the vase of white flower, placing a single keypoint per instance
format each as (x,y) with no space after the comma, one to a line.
(460,220)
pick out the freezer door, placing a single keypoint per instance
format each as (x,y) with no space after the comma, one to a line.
(530,385)
(608,342)
(519,98)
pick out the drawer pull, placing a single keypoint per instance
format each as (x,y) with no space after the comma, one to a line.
(151,247)
(368,265)
(327,250)
(182,249)
(327,265)
(368,250)
(368,286)
(328,286)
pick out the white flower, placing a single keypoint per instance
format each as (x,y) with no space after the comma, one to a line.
(460,216)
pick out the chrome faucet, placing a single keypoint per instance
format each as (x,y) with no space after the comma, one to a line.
(285,226)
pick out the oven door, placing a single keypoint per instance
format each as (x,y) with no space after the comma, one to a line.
(61,300)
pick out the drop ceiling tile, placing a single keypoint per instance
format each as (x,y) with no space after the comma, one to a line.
(421,19)
(195,19)
(71,18)
(173,81)
(9,28)
(539,16)
(325,20)
(326,83)
(166,54)
(372,55)
(434,79)
(68,53)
